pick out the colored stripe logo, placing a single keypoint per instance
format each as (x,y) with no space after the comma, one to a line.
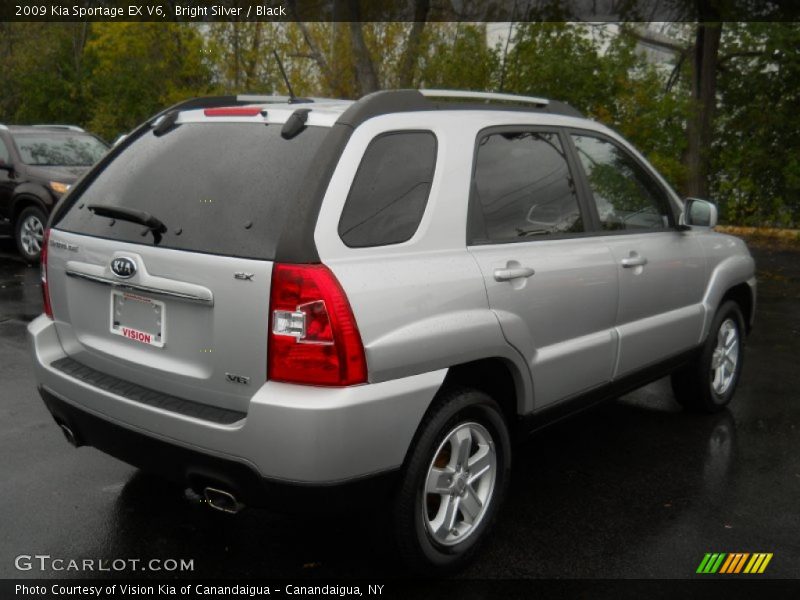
(734,562)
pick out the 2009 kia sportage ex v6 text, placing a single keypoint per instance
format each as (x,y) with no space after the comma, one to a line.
(265,299)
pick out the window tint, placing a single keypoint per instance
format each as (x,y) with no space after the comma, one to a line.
(627,197)
(524,187)
(59,149)
(390,190)
(220,188)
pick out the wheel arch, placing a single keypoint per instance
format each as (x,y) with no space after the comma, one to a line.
(25,199)
(497,377)
(733,278)
(742,294)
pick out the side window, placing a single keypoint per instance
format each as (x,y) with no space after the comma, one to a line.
(390,190)
(4,155)
(627,197)
(524,188)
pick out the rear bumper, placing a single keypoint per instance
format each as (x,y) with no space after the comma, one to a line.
(297,435)
(198,470)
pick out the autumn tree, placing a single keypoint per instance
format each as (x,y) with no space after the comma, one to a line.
(139,68)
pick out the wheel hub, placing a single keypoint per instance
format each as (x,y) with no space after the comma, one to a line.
(460,484)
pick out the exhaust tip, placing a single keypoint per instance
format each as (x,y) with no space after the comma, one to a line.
(69,434)
(222,501)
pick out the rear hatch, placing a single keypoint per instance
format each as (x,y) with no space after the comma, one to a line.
(184,311)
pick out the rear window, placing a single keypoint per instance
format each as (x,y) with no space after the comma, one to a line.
(220,188)
(59,150)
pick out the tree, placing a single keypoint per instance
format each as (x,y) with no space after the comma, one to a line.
(457,56)
(756,152)
(44,74)
(703,56)
(140,68)
(603,75)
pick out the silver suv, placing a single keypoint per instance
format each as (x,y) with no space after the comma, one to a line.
(277,300)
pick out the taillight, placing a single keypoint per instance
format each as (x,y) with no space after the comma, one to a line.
(313,336)
(48,310)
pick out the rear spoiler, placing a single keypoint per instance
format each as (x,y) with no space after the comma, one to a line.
(220,101)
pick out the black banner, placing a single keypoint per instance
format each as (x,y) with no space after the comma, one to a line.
(463,589)
(402,10)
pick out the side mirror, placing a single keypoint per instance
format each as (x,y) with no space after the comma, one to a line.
(699,213)
(4,166)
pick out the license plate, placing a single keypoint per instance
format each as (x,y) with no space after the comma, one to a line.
(137,318)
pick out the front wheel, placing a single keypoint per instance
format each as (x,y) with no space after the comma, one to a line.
(29,233)
(454,482)
(707,384)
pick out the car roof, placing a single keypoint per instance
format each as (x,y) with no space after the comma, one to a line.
(328,112)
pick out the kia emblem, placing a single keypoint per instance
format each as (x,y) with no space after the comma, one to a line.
(123,267)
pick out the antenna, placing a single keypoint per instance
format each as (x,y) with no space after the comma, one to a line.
(292,97)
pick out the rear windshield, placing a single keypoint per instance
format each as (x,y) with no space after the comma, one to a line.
(220,188)
(59,150)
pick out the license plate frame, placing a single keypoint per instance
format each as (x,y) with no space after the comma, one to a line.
(146,318)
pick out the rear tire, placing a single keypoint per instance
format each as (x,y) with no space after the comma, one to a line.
(29,233)
(708,383)
(454,482)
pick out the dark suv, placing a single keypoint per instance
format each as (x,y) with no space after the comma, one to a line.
(38,164)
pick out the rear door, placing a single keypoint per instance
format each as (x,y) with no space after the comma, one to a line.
(661,270)
(551,284)
(184,311)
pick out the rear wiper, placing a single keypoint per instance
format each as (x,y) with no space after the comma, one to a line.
(155,226)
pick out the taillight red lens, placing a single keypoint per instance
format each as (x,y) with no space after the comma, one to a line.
(48,310)
(232,111)
(313,336)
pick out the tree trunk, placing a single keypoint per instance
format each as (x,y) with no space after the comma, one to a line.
(411,53)
(366,77)
(699,130)
(236,58)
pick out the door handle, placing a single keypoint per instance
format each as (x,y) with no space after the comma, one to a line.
(633,261)
(510,273)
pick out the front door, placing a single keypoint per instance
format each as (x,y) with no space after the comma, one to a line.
(661,270)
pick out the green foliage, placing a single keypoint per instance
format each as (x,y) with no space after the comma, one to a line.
(110,76)
(139,68)
(615,86)
(43,75)
(458,57)
(756,171)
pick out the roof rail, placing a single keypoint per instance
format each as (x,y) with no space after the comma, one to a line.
(67,127)
(258,99)
(397,101)
(467,95)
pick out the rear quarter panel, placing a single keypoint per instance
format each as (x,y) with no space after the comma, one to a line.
(420,305)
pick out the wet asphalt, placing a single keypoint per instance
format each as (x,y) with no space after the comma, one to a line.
(634,489)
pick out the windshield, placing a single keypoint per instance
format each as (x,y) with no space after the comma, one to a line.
(220,188)
(59,149)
